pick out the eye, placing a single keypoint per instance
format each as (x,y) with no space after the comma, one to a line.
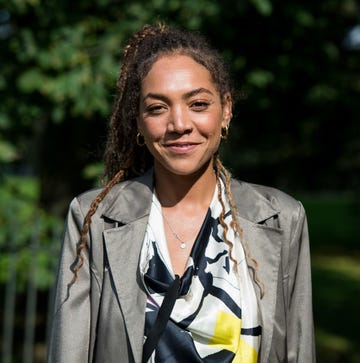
(199,106)
(155,109)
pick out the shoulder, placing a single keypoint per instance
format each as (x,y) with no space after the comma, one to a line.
(264,199)
(122,195)
(276,196)
(272,195)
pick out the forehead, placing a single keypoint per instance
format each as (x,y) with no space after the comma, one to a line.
(171,72)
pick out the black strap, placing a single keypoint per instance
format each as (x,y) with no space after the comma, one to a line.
(161,319)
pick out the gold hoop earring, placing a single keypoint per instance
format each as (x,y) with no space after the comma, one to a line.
(140,139)
(224,133)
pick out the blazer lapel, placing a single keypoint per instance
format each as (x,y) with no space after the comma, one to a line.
(131,208)
(123,247)
(265,247)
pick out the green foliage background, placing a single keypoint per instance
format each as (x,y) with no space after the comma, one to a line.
(296,124)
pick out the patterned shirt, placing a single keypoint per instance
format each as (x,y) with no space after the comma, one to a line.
(215,317)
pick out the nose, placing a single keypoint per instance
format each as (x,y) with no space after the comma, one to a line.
(179,121)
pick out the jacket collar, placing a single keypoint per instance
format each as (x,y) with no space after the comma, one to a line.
(137,193)
(130,200)
(251,205)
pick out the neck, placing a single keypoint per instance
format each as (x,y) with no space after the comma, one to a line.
(196,189)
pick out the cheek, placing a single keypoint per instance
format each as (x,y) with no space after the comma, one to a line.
(151,129)
(211,125)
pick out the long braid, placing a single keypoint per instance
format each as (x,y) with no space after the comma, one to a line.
(222,218)
(123,158)
(121,150)
(234,224)
(86,226)
(130,52)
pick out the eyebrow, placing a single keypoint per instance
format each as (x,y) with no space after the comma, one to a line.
(186,95)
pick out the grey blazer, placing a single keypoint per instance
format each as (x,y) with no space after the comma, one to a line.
(101,317)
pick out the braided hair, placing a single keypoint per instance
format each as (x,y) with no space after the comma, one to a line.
(123,158)
(143,50)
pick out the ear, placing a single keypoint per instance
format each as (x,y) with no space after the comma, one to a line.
(227,110)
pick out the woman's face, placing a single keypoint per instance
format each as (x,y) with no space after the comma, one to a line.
(181,115)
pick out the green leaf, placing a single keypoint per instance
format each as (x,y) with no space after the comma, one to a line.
(8,152)
(260,78)
(264,7)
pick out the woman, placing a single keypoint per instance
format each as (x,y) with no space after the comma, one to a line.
(174,261)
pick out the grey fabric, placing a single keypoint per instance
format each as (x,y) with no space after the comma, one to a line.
(101,317)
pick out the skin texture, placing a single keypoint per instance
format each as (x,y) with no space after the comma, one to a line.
(181,115)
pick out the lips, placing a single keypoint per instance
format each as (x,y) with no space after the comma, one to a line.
(181,147)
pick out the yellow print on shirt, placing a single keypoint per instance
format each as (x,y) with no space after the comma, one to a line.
(227,335)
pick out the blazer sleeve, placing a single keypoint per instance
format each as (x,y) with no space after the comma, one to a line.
(300,327)
(70,330)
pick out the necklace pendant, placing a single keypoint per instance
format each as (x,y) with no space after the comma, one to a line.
(182,245)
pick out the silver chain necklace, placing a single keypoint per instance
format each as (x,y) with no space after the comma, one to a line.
(182,243)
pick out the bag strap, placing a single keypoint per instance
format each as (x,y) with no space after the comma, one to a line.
(161,319)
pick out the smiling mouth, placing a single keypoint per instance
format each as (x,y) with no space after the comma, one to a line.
(181,148)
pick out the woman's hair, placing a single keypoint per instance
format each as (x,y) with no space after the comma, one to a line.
(124,159)
(143,50)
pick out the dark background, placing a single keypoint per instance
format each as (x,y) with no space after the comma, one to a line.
(296,69)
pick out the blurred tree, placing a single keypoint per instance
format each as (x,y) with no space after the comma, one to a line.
(59,66)
(297,121)
(298,127)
